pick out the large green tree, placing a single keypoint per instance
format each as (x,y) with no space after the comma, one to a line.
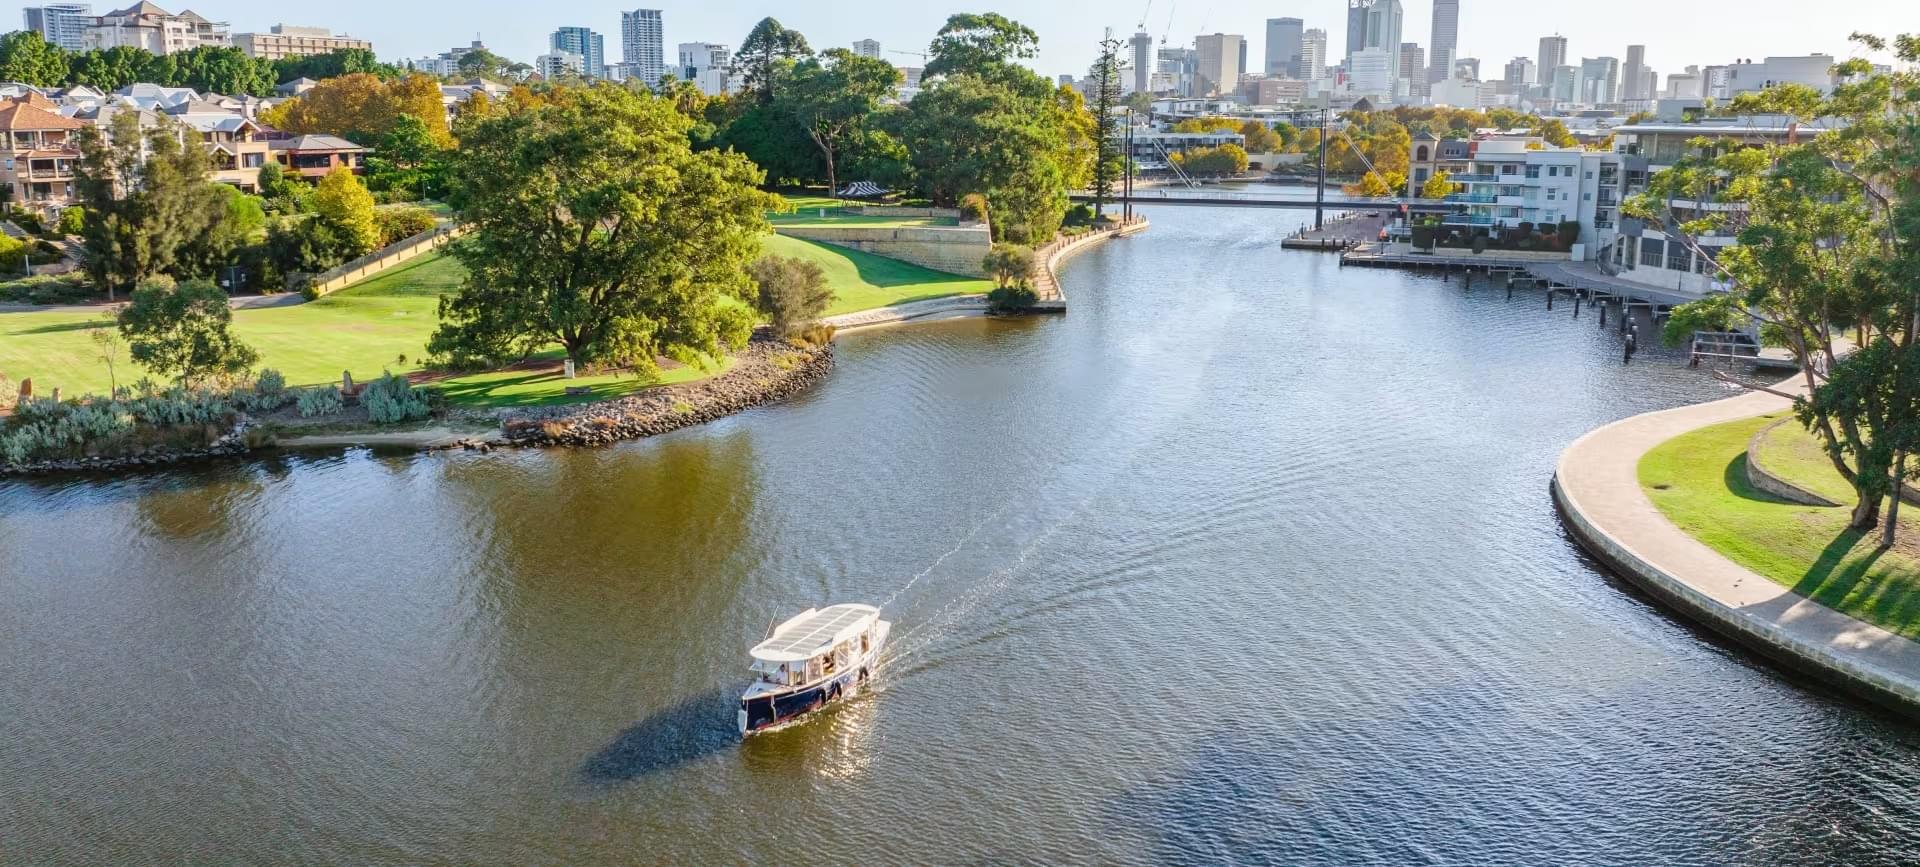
(761,55)
(597,227)
(183,330)
(1108,161)
(833,96)
(29,59)
(968,134)
(982,44)
(147,198)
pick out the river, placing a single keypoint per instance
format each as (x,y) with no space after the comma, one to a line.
(1248,559)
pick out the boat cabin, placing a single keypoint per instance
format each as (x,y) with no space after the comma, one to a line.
(817,645)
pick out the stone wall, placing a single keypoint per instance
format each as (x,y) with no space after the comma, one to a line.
(953,249)
(1760,478)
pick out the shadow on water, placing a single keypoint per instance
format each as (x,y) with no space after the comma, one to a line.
(686,732)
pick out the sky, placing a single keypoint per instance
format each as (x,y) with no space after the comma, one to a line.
(1676,34)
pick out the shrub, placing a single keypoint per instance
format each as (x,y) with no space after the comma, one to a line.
(816,335)
(73,220)
(1017,233)
(1080,215)
(61,289)
(324,400)
(399,224)
(391,399)
(973,208)
(1011,299)
(1569,233)
(29,221)
(1009,265)
(1479,244)
(269,392)
(793,292)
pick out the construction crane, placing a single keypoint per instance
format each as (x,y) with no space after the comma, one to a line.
(920,54)
(1169,31)
(1143,18)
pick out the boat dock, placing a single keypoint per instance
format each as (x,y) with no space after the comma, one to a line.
(1342,233)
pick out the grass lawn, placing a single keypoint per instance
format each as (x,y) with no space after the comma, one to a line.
(1699,482)
(368,328)
(862,281)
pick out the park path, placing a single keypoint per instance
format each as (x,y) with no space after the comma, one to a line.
(239,302)
(1598,487)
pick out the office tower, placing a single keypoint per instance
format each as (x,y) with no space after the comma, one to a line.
(1521,70)
(1413,68)
(63,24)
(1313,55)
(590,46)
(1142,45)
(1633,74)
(1178,66)
(1283,47)
(1599,80)
(867,48)
(1553,55)
(1446,39)
(1564,86)
(1467,68)
(1378,26)
(1217,64)
(643,45)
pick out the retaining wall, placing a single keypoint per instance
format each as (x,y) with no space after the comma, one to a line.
(1760,478)
(952,249)
(382,259)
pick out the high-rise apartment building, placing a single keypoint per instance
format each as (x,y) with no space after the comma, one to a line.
(1218,64)
(1283,47)
(1553,55)
(1142,49)
(556,65)
(643,46)
(1313,55)
(707,65)
(590,46)
(1446,40)
(144,25)
(868,48)
(1413,68)
(1633,74)
(63,24)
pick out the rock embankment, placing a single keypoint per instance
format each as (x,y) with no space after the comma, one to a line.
(228,445)
(766,372)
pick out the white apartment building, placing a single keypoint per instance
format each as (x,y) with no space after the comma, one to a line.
(1509,181)
(1313,55)
(642,45)
(707,65)
(62,24)
(146,26)
(289,41)
(1370,72)
(868,48)
(560,64)
(1812,70)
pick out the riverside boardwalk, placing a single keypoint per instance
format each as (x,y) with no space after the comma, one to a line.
(1597,487)
(1342,233)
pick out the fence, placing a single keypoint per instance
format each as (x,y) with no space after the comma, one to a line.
(380,260)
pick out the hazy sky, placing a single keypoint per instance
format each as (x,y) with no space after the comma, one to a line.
(1675,33)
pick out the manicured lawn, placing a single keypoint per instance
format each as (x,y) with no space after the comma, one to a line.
(1699,482)
(862,281)
(835,219)
(383,325)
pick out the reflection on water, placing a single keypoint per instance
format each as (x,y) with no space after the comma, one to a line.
(1248,559)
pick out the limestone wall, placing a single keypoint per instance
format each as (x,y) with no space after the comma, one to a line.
(953,249)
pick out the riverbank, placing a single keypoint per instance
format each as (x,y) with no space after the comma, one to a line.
(1598,489)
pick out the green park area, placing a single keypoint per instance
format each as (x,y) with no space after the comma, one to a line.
(1699,481)
(383,324)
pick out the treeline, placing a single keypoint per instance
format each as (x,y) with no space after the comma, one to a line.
(27,58)
(982,122)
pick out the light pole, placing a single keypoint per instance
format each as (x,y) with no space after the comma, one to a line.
(1320,189)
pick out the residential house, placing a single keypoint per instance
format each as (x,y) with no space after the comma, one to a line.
(313,156)
(37,154)
(144,25)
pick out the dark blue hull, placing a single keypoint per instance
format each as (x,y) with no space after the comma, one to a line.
(767,711)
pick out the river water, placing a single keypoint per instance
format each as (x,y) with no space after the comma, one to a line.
(1248,559)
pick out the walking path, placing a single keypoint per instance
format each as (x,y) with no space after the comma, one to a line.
(238,302)
(1046,284)
(950,306)
(1598,488)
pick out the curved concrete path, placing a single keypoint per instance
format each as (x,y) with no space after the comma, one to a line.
(1597,487)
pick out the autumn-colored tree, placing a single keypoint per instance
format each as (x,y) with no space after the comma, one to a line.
(1438,186)
(345,205)
(419,95)
(363,107)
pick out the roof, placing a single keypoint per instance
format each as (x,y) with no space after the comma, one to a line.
(814,632)
(141,8)
(18,115)
(315,142)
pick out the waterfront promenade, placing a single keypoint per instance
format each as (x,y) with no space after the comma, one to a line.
(1597,487)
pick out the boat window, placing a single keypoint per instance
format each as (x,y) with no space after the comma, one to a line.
(828,664)
(863,643)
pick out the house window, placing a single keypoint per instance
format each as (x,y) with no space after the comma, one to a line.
(1533,171)
(1678,257)
(1509,169)
(1651,251)
(252,161)
(1421,155)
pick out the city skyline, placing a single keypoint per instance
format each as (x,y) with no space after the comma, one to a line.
(1488,29)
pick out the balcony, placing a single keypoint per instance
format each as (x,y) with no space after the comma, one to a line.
(1515,202)
(1471,198)
(1466,220)
(1474,179)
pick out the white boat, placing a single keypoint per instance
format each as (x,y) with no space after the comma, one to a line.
(811,661)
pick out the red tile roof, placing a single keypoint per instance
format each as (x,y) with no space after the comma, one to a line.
(21,116)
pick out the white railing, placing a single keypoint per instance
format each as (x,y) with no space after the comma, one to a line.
(380,260)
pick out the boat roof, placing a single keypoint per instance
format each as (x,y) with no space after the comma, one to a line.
(814,632)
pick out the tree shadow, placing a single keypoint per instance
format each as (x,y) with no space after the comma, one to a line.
(688,731)
(1735,478)
(483,392)
(1887,598)
(56,328)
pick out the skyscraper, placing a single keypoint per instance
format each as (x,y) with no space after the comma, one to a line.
(1313,55)
(1219,64)
(1378,26)
(1599,80)
(867,48)
(643,45)
(1446,39)
(62,24)
(1283,47)
(590,46)
(1633,74)
(1521,71)
(1413,68)
(1142,45)
(1553,55)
